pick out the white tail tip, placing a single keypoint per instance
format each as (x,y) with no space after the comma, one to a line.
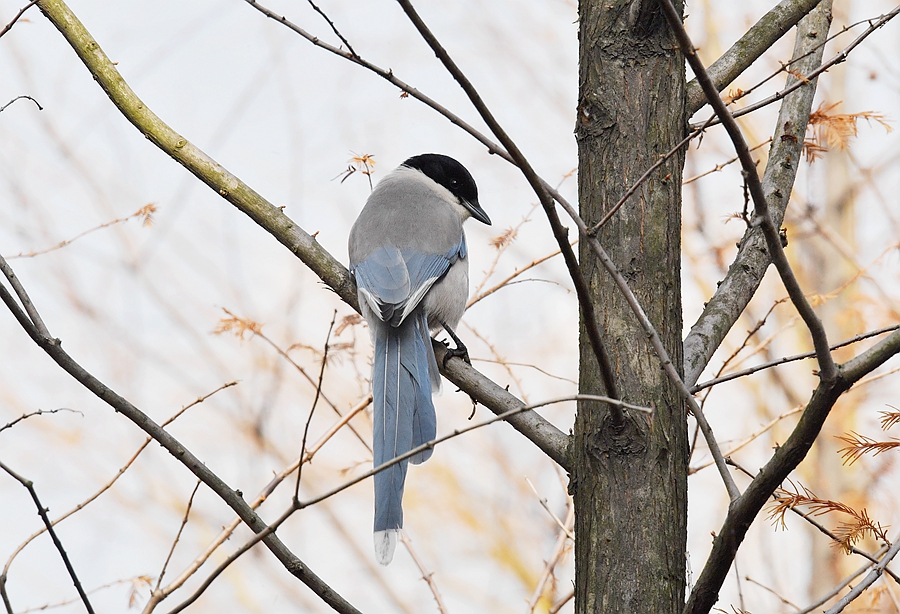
(385,543)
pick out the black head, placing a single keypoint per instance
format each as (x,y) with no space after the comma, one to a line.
(449,173)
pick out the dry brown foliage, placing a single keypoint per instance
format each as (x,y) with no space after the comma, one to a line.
(835,130)
(860,444)
(890,418)
(237,325)
(846,535)
(505,238)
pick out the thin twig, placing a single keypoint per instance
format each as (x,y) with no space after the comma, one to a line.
(133,581)
(662,160)
(870,579)
(184,521)
(312,409)
(773,592)
(146,212)
(335,30)
(428,576)
(7,28)
(749,439)
(747,338)
(543,501)
(40,108)
(795,357)
(457,432)
(215,574)
(719,167)
(559,548)
(501,243)
(840,586)
(561,602)
(506,280)
(256,331)
(42,511)
(38,412)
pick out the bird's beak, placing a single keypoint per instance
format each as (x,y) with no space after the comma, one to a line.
(477,212)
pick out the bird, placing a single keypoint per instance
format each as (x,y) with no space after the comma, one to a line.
(409,258)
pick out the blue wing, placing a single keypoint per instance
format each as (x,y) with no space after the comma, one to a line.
(393,281)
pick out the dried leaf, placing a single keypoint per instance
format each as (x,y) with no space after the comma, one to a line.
(860,444)
(508,236)
(890,418)
(236,325)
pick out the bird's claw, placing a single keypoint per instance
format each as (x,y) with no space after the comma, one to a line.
(457,352)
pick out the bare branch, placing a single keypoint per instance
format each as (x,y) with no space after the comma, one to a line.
(312,409)
(145,212)
(42,511)
(7,28)
(40,108)
(184,521)
(457,432)
(870,579)
(559,549)
(228,530)
(333,29)
(722,165)
(755,42)
(837,589)
(39,412)
(794,358)
(428,576)
(753,258)
(216,572)
(31,316)
(547,437)
(297,505)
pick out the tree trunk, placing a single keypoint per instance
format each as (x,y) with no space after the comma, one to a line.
(630,480)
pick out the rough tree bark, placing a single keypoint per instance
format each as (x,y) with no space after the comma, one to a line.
(630,480)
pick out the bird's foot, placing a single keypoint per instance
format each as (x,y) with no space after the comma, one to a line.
(460,351)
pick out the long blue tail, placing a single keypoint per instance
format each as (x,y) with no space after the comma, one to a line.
(403,418)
